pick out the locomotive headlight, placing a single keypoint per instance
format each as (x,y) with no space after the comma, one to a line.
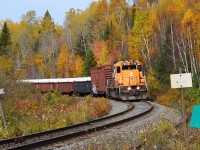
(137,88)
(129,88)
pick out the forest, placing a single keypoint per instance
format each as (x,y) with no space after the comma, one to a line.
(163,34)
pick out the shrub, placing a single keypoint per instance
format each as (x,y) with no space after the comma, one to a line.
(166,136)
(16,90)
(153,84)
(170,96)
(53,110)
(192,97)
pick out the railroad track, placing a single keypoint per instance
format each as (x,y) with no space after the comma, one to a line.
(62,134)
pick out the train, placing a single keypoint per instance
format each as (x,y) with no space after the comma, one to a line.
(123,80)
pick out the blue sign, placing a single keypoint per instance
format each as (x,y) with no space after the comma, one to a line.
(195,120)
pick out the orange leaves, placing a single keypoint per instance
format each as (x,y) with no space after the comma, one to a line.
(100,12)
(101,52)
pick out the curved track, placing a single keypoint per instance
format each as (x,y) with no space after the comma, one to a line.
(67,133)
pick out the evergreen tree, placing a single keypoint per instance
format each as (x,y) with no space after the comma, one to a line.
(89,62)
(132,17)
(161,67)
(125,55)
(47,23)
(106,33)
(5,40)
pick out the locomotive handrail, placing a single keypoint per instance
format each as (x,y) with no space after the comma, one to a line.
(111,83)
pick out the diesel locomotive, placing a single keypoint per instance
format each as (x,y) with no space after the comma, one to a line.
(128,81)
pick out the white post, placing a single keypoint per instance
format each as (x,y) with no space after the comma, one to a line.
(4,121)
(1,110)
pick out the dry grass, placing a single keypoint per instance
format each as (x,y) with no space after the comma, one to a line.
(53,110)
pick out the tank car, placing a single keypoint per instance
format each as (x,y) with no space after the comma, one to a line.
(128,81)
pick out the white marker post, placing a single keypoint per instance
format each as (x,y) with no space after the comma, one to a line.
(4,121)
(1,91)
(181,81)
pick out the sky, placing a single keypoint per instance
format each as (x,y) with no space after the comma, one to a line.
(14,9)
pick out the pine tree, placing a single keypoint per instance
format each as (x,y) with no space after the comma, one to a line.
(132,17)
(161,67)
(5,40)
(47,23)
(89,62)
(106,33)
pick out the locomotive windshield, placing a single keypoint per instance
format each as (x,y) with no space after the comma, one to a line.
(128,67)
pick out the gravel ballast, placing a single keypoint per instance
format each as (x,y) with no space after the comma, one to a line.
(125,134)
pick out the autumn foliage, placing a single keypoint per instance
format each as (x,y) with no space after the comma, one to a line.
(38,113)
(113,30)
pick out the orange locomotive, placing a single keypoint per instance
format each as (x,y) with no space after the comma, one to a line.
(128,81)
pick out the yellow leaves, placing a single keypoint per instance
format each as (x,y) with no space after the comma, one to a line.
(141,34)
(62,61)
(169,96)
(5,65)
(188,19)
(104,56)
(79,67)
(58,31)
(143,3)
(38,60)
(67,64)
(19,74)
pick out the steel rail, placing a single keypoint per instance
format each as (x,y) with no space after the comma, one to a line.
(17,143)
(20,139)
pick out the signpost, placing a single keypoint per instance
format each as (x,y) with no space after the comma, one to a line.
(1,110)
(182,80)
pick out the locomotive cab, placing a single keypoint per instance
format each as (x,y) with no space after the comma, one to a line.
(128,81)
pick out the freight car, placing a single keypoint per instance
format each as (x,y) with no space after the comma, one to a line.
(64,85)
(99,77)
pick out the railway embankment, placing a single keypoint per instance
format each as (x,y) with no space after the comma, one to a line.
(127,134)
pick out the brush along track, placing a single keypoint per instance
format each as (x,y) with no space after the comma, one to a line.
(67,133)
